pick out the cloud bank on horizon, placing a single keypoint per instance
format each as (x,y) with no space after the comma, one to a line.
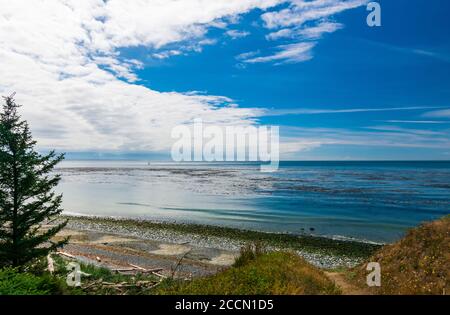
(65,61)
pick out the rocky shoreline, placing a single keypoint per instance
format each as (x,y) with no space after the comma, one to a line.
(322,252)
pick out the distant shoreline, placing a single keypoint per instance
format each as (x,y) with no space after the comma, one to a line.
(144,159)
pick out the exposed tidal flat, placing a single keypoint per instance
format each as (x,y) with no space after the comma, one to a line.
(320,251)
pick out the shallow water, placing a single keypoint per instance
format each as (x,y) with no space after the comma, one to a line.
(375,201)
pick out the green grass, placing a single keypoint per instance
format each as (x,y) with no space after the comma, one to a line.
(265,273)
(38,282)
(13,282)
(92,284)
(309,243)
(257,273)
(94,271)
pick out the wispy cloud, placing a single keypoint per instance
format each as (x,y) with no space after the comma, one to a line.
(301,21)
(316,32)
(416,121)
(247,55)
(406,130)
(445,113)
(122,69)
(311,111)
(167,53)
(370,137)
(313,32)
(291,53)
(283,33)
(300,12)
(425,52)
(235,34)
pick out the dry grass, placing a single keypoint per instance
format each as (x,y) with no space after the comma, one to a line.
(417,264)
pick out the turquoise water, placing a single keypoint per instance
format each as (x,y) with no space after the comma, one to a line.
(375,201)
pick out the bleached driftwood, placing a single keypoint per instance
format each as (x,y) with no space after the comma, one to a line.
(66,254)
(137,267)
(159,275)
(144,270)
(155,270)
(50,264)
(123,269)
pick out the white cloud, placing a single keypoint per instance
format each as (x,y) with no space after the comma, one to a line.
(247,55)
(291,53)
(316,111)
(291,146)
(157,23)
(371,136)
(302,20)
(301,11)
(445,113)
(312,32)
(316,32)
(122,69)
(63,60)
(79,93)
(416,121)
(283,33)
(387,137)
(235,34)
(405,130)
(167,53)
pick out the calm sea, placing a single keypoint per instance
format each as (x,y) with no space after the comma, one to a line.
(374,201)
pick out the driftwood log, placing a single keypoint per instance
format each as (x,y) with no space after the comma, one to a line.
(50,264)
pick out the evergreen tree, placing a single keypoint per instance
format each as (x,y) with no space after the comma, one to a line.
(27,200)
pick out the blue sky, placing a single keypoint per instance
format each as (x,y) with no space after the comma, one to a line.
(356,66)
(352,92)
(403,63)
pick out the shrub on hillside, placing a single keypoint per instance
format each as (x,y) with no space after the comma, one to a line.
(249,253)
(417,264)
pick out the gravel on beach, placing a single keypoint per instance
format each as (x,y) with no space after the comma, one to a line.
(319,258)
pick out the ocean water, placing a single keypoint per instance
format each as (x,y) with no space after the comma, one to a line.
(372,201)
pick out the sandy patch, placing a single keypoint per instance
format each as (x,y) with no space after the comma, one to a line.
(112,239)
(65,233)
(171,249)
(75,236)
(79,237)
(223,259)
